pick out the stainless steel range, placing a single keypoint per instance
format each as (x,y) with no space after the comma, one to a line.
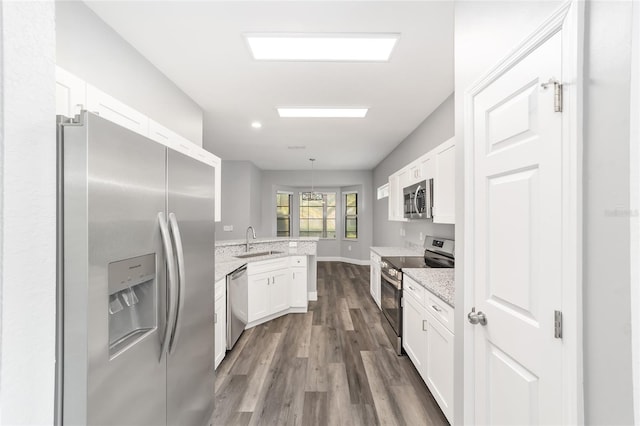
(438,253)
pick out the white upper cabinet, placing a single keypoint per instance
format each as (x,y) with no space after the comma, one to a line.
(110,108)
(74,94)
(396,212)
(437,164)
(444,183)
(71,93)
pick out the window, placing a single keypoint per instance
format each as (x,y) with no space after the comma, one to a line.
(283,214)
(351,215)
(318,217)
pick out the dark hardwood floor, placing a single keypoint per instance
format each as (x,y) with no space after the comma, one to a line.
(331,366)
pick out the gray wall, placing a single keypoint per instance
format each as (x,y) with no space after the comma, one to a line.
(607,314)
(27,213)
(325,181)
(485,33)
(87,47)
(241,200)
(435,129)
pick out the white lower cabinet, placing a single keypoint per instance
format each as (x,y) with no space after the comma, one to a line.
(220,319)
(439,364)
(269,288)
(374,279)
(428,343)
(299,296)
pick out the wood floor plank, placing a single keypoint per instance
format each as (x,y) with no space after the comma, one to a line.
(339,404)
(386,406)
(304,340)
(258,373)
(333,365)
(317,379)
(344,315)
(315,408)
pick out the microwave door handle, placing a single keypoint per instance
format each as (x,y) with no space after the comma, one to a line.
(170,313)
(175,233)
(415,200)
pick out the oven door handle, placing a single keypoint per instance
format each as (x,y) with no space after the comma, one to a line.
(394,282)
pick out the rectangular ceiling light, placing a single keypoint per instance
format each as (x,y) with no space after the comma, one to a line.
(322,47)
(322,112)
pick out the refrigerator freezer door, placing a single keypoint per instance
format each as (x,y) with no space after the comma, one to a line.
(190,363)
(114,187)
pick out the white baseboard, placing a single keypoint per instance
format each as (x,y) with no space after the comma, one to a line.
(365,262)
(313,296)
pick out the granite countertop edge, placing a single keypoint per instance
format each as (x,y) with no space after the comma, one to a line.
(440,282)
(397,251)
(223,243)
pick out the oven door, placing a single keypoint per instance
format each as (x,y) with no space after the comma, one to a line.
(390,299)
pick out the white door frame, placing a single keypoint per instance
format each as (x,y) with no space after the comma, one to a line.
(569,20)
(634,206)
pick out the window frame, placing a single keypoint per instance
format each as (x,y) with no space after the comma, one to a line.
(346,217)
(290,194)
(325,205)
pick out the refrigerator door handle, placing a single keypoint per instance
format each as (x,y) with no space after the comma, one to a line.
(171,279)
(175,233)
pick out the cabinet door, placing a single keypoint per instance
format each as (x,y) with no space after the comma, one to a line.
(71,93)
(439,365)
(427,166)
(220,330)
(444,183)
(259,296)
(298,287)
(279,291)
(113,110)
(376,283)
(414,338)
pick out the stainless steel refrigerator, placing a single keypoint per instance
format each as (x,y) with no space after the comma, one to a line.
(136,279)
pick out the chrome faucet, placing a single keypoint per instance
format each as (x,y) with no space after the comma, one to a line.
(247,237)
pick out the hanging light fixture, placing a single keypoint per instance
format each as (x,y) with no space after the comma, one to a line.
(312,196)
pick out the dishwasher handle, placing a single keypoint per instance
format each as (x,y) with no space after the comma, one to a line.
(238,272)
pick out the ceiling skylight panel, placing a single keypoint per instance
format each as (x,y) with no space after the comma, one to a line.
(322,47)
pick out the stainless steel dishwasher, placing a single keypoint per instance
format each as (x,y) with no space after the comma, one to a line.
(237,304)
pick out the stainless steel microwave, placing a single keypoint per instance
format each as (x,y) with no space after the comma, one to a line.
(418,200)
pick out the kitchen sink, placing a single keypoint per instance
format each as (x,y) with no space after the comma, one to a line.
(258,253)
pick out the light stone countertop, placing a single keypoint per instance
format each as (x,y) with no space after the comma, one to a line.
(439,281)
(397,251)
(226,262)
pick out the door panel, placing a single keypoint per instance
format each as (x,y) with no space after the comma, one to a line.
(114,185)
(517,266)
(190,365)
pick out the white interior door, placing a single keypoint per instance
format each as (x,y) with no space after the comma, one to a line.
(517,272)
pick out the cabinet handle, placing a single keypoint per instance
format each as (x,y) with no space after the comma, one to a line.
(294,275)
(435,308)
(424,325)
(268,280)
(411,288)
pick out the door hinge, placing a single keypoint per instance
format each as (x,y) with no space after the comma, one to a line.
(557,93)
(557,324)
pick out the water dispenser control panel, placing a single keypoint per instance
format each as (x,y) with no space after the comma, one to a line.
(132,301)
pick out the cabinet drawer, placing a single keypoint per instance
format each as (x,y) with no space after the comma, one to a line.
(267,265)
(298,261)
(221,289)
(440,310)
(414,289)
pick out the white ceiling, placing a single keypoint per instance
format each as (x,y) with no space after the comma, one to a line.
(199,45)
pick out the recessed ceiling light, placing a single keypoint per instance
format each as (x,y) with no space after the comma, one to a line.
(256,125)
(322,112)
(322,47)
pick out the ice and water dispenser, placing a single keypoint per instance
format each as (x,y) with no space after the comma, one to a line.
(132,301)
